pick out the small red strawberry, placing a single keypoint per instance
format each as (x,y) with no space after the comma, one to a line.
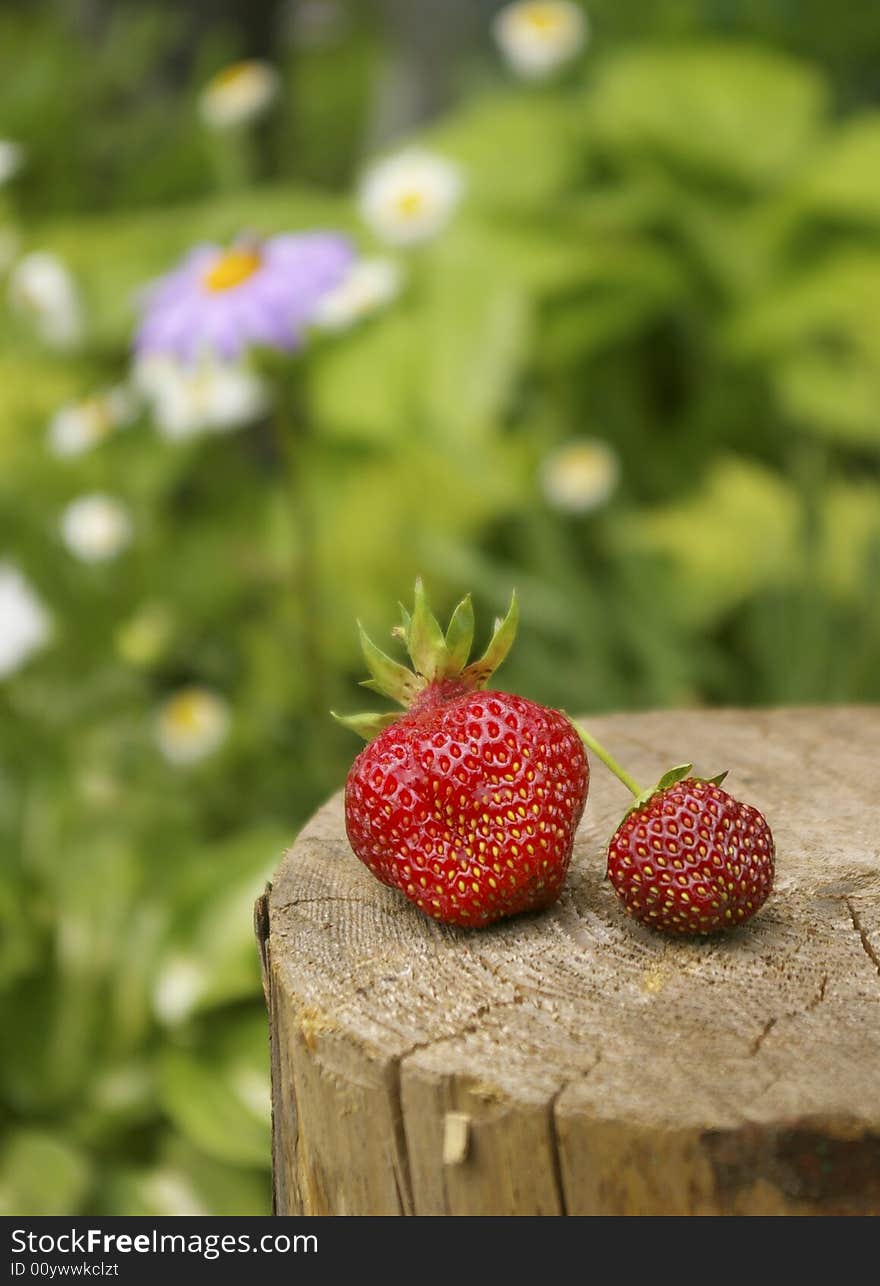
(688,858)
(469,801)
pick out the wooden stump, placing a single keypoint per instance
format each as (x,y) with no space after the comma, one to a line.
(572,1061)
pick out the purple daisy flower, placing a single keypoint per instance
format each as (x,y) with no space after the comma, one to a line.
(252,294)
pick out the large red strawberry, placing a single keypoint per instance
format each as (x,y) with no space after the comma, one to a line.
(687,857)
(469,801)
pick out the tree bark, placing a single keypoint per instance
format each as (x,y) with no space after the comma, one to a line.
(572,1061)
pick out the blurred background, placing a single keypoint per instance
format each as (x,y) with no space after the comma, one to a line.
(617,344)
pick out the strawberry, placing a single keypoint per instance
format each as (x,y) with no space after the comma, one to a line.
(687,857)
(468,802)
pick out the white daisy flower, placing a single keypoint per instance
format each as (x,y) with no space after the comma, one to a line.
(96,528)
(179,987)
(538,36)
(239,94)
(191,725)
(580,475)
(409,197)
(207,396)
(42,290)
(122,1088)
(24,622)
(170,1192)
(253,1090)
(81,425)
(11,159)
(369,286)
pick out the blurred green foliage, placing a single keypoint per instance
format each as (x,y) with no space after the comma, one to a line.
(677,252)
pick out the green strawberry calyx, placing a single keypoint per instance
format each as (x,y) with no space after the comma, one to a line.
(640,797)
(438,658)
(670,778)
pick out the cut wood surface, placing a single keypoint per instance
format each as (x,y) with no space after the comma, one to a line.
(572,1061)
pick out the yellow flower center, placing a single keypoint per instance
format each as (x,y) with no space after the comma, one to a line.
(97,419)
(186,713)
(543,18)
(586,468)
(410,204)
(232,74)
(231,268)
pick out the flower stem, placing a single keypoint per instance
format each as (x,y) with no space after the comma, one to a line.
(295,438)
(592,744)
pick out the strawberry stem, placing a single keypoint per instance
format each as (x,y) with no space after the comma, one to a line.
(592,744)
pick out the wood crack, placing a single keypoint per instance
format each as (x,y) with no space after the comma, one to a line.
(820,994)
(324,897)
(860,929)
(812,1004)
(402,1172)
(556,1149)
(396,1068)
(555,1141)
(463,1030)
(762,1036)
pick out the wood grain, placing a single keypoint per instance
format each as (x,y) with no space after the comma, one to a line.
(572,1061)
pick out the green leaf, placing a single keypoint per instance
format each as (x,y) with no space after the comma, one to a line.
(735,534)
(372,686)
(481,671)
(814,331)
(425,639)
(41,1174)
(208,958)
(668,779)
(460,635)
(183,1180)
(390,677)
(674,775)
(844,176)
(201,1099)
(367,726)
(707,107)
(848,558)
(833,395)
(363,388)
(478,323)
(519,151)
